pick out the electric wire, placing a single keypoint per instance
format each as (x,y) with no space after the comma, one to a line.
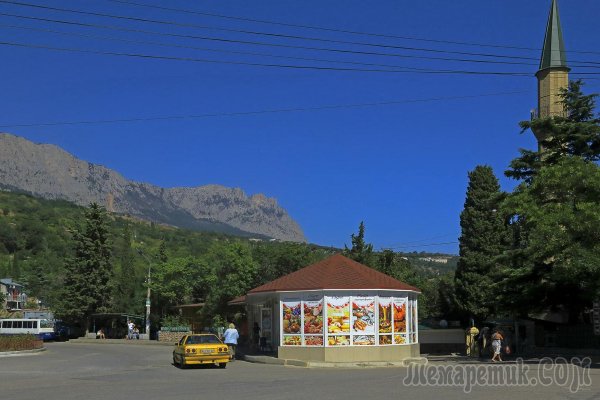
(268,34)
(268,44)
(326,29)
(216,50)
(259,112)
(255,64)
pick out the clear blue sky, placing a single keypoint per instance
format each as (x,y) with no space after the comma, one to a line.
(402,168)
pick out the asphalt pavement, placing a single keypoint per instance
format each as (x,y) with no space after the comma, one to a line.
(92,371)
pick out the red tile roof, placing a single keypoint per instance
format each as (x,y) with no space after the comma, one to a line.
(335,272)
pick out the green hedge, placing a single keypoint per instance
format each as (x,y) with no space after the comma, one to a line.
(176,328)
(20,342)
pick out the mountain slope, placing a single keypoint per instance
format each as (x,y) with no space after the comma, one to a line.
(52,173)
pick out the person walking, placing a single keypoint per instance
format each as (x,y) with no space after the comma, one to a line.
(230,338)
(497,339)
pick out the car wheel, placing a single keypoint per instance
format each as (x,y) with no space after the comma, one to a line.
(223,365)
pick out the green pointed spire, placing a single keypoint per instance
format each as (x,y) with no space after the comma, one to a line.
(553,54)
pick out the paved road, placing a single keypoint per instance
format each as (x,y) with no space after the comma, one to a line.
(123,371)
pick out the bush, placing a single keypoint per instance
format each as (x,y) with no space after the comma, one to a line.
(20,342)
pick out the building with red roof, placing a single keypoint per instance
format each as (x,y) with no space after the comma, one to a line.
(336,310)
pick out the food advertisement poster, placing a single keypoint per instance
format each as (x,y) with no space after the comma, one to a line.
(400,315)
(339,340)
(313,317)
(363,340)
(310,340)
(363,315)
(385,315)
(291,317)
(338,314)
(292,340)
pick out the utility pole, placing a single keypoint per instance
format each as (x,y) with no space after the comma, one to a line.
(148,293)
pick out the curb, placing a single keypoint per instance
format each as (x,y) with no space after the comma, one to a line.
(324,364)
(121,342)
(17,353)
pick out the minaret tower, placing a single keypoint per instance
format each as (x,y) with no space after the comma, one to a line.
(553,74)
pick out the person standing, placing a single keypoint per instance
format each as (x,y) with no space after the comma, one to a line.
(256,334)
(130,326)
(230,338)
(497,339)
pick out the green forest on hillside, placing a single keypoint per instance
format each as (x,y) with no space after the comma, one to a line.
(37,243)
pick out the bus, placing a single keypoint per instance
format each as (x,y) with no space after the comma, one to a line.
(42,328)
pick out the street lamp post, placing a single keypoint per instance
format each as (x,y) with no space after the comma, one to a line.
(148,294)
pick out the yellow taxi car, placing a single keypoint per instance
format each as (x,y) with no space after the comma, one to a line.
(200,349)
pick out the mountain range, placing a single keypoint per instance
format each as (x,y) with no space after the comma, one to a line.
(47,171)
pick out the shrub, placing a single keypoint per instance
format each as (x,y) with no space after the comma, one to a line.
(20,342)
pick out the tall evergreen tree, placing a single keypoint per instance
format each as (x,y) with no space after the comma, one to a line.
(360,251)
(88,273)
(483,237)
(577,133)
(555,257)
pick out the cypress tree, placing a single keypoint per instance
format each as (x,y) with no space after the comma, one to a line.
(483,238)
(88,273)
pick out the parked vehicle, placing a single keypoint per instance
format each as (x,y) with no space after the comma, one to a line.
(200,349)
(42,328)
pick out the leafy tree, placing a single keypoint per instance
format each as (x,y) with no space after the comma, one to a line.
(278,259)
(125,281)
(577,133)
(88,273)
(228,271)
(360,251)
(483,238)
(555,258)
(173,282)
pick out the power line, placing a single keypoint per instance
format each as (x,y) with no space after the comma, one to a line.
(278,45)
(320,28)
(252,64)
(269,34)
(217,50)
(271,111)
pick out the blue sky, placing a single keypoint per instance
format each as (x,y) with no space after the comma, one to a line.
(401,168)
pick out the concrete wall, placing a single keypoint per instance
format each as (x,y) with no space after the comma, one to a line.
(349,353)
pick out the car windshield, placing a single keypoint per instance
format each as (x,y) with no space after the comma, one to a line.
(208,339)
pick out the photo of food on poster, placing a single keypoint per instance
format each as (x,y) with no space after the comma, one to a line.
(363,315)
(313,317)
(291,316)
(313,340)
(385,339)
(339,340)
(400,315)
(338,314)
(385,315)
(399,339)
(292,340)
(363,340)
